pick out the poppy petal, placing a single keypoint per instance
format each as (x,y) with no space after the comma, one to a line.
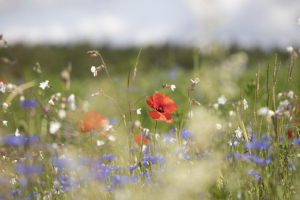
(137,139)
(150,101)
(79,125)
(160,116)
(92,120)
(162,100)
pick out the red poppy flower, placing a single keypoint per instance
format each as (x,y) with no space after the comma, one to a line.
(163,105)
(92,120)
(296,120)
(139,140)
(2,80)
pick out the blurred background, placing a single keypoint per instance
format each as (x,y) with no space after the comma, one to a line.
(185,38)
(247,23)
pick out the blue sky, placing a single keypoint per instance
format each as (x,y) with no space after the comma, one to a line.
(266,23)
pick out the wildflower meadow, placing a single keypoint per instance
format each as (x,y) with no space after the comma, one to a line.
(219,126)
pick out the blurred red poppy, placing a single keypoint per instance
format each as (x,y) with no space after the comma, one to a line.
(292,132)
(163,105)
(2,80)
(139,140)
(92,120)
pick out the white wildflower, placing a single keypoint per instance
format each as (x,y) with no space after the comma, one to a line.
(10,86)
(144,148)
(218,126)
(22,98)
(17,133)
(283,105)
(222,100)
(196,80)
(290,49)
(2,87)
(43,85)
(107,128)
(238,133)
(13,181)
(112,138)
(5,106)
(229,143)
(229,124)
(51,102)
(62,113)
(138,111)
(54,127)
(245,104)
(231,113)
(4,122)
(290,94)
(100,143)
(146,131)
(279,95)
(265,111)
(173,87)
(216,106)
(71,102)
(94,70)
(137,123)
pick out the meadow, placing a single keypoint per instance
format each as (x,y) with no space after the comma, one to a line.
(87,122)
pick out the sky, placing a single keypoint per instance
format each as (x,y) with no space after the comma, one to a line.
(119,23)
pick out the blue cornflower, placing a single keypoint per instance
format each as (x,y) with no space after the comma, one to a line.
(28,103)
(168,138)
(261,144)
(186,134)
(297,141)
(254,173)
(109,156)
(148,179)
(172,130)
(133,167)
(261,161)
(28,169)
(265,137)
(123,180)
(187,157)
(107,188)
(112,120)
(252,136)
(14,140)
(33,195)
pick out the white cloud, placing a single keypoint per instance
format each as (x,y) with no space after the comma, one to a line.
(249,22)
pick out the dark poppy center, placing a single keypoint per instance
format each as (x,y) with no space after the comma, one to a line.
(160,109)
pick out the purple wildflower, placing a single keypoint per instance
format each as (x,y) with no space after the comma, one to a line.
(168,138)
(132,167)
(297,141)
(257,144)
(109,156)
(28,169)
(28,103)
(254,173)
(187,134)
(13,140)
